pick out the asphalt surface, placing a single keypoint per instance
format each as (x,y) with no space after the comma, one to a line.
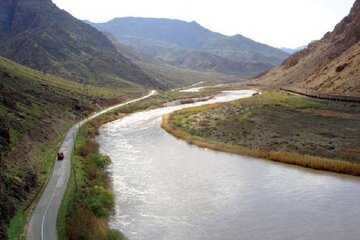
(42,224)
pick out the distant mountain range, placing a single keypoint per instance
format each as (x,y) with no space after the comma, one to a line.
(38,34)
(330,65)
(293,50)
(189,45)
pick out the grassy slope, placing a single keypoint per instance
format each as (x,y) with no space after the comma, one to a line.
(277,126)
(44,157)
(35,111)
(63,87)
(172,76)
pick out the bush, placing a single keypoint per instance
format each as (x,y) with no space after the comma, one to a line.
(88,148)
(100,201)
(80,222)
(113,234)
(101,161)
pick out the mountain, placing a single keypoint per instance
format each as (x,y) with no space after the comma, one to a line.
(38,34)
(293,50)
(330,65)
(189,45)
(187,71)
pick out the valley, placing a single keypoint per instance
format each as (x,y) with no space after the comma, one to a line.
(168,126)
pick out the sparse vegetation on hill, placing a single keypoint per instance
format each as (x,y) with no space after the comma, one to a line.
(330,65)
(278,126)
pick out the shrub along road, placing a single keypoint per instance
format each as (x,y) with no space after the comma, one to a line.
(42,224)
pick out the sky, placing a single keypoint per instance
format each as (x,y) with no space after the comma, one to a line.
(279,23)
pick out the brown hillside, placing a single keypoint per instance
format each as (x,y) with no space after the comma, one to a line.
(330,65)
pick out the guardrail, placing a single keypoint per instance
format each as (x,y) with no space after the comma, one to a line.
(322,95)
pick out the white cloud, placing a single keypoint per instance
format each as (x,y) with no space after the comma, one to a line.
(289,23)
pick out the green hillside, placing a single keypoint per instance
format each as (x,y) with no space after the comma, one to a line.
(35,111)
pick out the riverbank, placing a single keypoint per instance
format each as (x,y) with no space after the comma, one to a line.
(89,201)
(277,126)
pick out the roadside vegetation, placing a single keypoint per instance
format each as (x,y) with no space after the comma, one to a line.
(156,101)
(278,126)
(44,156)
(89,200)
(36,109)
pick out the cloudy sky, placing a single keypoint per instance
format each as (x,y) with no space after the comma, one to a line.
(280,23)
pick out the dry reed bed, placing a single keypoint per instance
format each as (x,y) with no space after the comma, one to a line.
(307,161)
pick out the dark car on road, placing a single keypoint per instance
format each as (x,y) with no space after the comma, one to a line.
(60,156)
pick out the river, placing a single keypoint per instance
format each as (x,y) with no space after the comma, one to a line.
(167,189)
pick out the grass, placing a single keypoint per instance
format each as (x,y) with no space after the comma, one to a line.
(44,160)
(17,224)
(27,79)
(33,77)
(14,137)
(35,109)
(277,126)
(71,189)
(173,76)
(88,200)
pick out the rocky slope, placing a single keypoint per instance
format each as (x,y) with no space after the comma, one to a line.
(36,33)
(190,45)
(330,65)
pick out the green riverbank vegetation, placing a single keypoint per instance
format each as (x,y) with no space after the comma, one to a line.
(89,200)
(278,126)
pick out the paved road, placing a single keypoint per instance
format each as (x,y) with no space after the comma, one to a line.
(42,225)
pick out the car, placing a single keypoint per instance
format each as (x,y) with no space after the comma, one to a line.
(60,156)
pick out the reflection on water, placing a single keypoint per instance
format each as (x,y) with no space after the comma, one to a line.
(167,189)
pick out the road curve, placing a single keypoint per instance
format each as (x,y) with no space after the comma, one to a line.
(42,224)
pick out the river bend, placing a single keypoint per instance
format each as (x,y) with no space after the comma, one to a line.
(167,189)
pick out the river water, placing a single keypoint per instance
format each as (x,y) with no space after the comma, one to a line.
(167,189)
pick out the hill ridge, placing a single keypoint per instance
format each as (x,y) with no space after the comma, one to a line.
(38,34)
(328,66)
(161,38)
